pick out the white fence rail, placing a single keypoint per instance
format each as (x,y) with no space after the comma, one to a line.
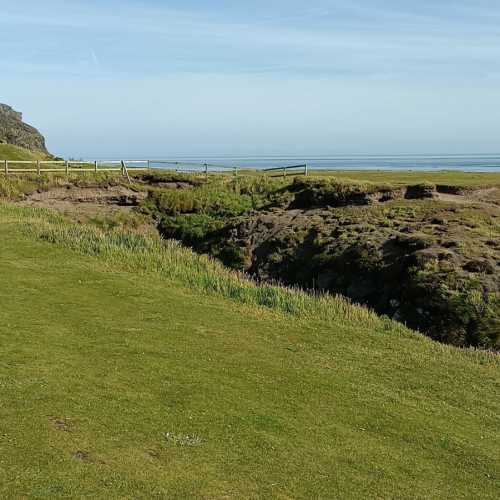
(45,166)
(12,167)
(293,169)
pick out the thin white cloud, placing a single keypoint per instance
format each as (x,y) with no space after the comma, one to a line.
(335,37)
(94,58)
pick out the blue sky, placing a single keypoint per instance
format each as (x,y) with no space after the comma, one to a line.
(159,78)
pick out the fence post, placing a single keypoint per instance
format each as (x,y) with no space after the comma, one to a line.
(125,171)
(149,164)
(206,171)
(306,172)
(6,166)
(95,166)
(67,167)
(38,167)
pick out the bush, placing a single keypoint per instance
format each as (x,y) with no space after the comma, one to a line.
(190,229)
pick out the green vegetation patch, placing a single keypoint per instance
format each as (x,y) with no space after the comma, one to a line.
(190,212)
(408,177)
(17,186)
(16,153)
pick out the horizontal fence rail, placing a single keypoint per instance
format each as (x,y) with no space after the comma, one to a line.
(302,169)
(44,166)
(190,167)
(11,167)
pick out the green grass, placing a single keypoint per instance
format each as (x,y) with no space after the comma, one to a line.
(407,177)
(233,194)
(128,371)
(11,152)
(143,253)
(403,177)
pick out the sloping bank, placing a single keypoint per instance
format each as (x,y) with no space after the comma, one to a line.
(177,263)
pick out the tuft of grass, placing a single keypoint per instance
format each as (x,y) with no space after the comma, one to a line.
(172,261)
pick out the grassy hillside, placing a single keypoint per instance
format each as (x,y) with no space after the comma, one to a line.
(10,152)
(132,370)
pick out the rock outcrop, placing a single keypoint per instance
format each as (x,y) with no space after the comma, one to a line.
(14,131)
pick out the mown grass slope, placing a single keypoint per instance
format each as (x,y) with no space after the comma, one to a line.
(120,378)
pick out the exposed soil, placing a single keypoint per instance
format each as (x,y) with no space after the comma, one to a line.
(484,197)
(110,195)
(81,204)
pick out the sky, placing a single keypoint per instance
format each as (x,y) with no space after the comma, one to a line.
(150,78)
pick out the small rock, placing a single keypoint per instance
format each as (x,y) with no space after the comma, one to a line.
(394,303)
(80,455)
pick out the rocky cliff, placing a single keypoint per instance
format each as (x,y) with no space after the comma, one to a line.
(14,131)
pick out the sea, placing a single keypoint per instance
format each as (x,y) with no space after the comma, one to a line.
(468,163)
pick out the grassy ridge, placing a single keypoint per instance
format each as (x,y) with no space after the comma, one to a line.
(15,187)
(13,153)
(452,177)
(122,377)
(175,263)
(169,259)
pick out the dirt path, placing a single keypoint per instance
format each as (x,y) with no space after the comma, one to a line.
(489,197)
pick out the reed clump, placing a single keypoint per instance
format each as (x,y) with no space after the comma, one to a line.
(172,261)
(169,259)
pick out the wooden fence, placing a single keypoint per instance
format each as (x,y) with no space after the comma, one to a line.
(12,167)
(294,169)
(190,167)
(70,166)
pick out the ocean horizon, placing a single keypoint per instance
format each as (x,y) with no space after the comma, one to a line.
(468,163)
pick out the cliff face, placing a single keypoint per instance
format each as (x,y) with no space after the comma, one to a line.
(14,131)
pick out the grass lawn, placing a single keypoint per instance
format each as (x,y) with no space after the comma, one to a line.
(394,177)
(117,383)
(409,177)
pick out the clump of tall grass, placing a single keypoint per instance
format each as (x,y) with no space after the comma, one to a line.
(12,187)
(219,197)
(341,187)
(172,261)
(175,262)
(199,272)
